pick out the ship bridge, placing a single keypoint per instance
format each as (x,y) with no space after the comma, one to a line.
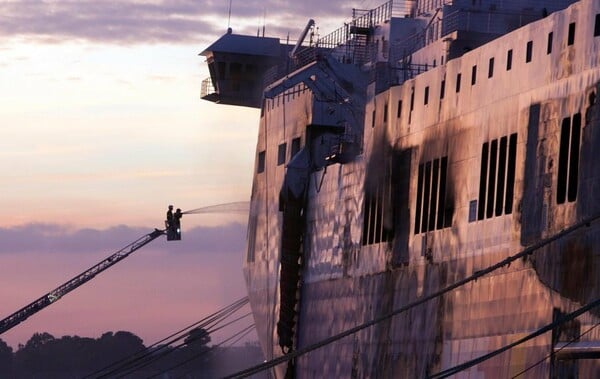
(237,65)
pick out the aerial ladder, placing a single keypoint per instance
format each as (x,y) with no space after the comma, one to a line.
(172,231)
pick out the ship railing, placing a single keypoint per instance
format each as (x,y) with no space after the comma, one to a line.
(494,21)
(366,18)
(207,87)
(349,43)
(386,75)
(239,87)
(407,71)
(403,9)
(272,75)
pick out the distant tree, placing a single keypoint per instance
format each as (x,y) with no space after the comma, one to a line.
(112,347)
(72,356)
(128,340)
(198,338)
(39,339)
(6,359)
(31,358)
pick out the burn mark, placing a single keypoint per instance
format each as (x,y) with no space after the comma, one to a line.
(576,270)
(435,201)
(589,178)
(532,204)
(378,218)
(569,266)
(400,198)
(386,216)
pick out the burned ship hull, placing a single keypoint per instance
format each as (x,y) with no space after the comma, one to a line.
(389,168)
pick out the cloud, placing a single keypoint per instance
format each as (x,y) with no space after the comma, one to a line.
(55,238)
(161,21)
(110,21)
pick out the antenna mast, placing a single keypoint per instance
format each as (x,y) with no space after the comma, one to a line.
(264,20)
(229,16)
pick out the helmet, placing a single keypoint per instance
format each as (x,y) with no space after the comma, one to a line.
(170,207)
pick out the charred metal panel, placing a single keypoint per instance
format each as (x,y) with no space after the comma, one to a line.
(589,178)
(532,204)
(570,266)
(360,299)
(400,200)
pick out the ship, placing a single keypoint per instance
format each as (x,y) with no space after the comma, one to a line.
(428,171)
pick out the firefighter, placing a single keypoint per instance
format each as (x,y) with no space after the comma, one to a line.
(169,221)
(177,221)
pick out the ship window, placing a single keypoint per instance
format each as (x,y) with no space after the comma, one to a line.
(501,176)
(491,68)
(529,52)
(251,68)
(508,60)
(458,82)
(296,145)
(399,112)
(549,47)
(568,159)
(491,187)
(373,119)
(385,112)
(442,89)
(426,96)
(482,180)
(419,199)
(563,156)
(474,75)
(377,210)
(497,177)
(574,157)
(281,154)
(260,167)
(571,37)
(444,216)
(510,173)
(412,104)
(251,238)
(472,210)
(597,26)
(426,197)
(431,210)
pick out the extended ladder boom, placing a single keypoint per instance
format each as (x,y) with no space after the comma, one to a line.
(52,296)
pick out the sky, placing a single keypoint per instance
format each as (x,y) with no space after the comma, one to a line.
(102,127)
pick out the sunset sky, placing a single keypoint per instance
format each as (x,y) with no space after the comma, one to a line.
(101,127)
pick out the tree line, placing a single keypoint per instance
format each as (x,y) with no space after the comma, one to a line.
(45,357)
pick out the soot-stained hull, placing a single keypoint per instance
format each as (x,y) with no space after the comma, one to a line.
(414,165)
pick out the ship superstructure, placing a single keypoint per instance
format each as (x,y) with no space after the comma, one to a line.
(420,143)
